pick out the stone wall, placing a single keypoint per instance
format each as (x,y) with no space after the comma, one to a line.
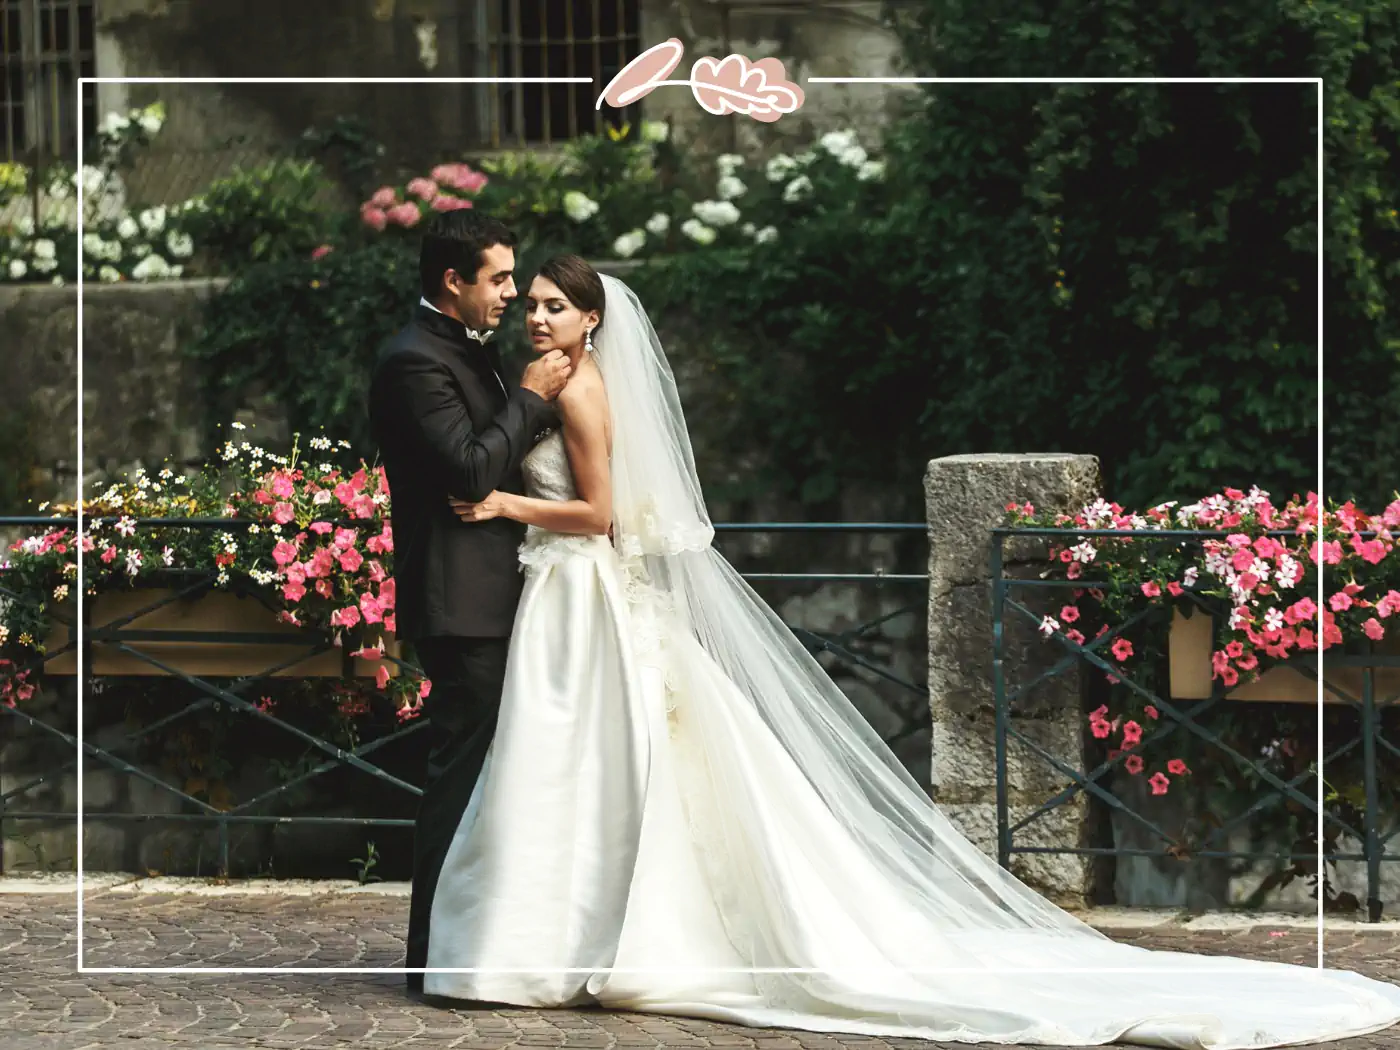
(966,496)
(140,398)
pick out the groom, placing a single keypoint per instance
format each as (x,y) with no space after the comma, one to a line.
(448,423)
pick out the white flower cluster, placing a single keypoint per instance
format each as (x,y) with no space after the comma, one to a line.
(117,244)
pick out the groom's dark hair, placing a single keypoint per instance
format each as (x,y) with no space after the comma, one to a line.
(455,240)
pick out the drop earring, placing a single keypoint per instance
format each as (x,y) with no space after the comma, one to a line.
(588,341)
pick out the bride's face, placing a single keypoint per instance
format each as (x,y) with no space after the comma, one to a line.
(553,322)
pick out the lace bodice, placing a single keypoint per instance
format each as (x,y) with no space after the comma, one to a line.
(548,476)
(546,469)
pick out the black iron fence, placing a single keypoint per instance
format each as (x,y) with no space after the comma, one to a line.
(1360,740)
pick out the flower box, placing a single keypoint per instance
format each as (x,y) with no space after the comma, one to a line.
(217,612)
(1190,645)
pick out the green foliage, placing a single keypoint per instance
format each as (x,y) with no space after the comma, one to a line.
(1124,270)
(272,212)
(307,333)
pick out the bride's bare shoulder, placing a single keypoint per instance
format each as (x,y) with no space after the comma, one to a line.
(584,391)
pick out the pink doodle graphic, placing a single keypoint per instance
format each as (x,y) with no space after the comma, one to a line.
(732,85)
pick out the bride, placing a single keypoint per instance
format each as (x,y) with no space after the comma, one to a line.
(681,814)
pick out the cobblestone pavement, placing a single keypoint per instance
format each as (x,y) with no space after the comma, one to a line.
(46,1005)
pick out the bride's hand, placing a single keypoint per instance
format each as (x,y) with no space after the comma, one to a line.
(494,505)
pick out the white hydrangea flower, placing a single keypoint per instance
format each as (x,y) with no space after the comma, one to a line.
(655,131)
(716,213)
(17,269)
(152,268)
(658,223)
(838,142)
(729,163)
(797,189)
(780,167)
(127,228)
(579,207)
(871,170)
(44,248)
(697,231)
(150,120)
(153,219)
(181,245)
(109,275)
(768,233)
(629,243)
(730,187)
(114,123)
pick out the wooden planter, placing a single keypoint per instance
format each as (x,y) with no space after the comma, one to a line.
(216,612)
(1191,643)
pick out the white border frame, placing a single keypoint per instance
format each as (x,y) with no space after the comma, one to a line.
(1321,209)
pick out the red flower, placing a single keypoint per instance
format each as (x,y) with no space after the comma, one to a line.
(1151,589)
(1133,764)
(1177,768)
(1122,649)
(1150,712)
(1159,783)
(1069,613)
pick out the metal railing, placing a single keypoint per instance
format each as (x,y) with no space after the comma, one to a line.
(119,636)
(1180,718)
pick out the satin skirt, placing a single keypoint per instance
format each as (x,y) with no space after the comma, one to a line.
(639,839)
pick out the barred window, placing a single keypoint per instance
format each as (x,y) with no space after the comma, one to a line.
(552,38)
(45,45)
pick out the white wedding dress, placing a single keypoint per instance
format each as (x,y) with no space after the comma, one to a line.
(648,820)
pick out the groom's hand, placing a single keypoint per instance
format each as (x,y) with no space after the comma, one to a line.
(547,375)
(495,505)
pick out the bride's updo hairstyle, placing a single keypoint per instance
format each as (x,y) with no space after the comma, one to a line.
(579,281)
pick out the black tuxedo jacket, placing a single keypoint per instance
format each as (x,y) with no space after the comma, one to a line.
(445,425)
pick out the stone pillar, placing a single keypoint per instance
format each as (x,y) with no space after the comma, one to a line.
(965,497)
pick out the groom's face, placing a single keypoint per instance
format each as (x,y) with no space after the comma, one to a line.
(482,303)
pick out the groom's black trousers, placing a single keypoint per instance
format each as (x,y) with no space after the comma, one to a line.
(467,676)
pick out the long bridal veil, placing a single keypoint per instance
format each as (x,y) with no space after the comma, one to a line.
(661,520)
(904,886)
